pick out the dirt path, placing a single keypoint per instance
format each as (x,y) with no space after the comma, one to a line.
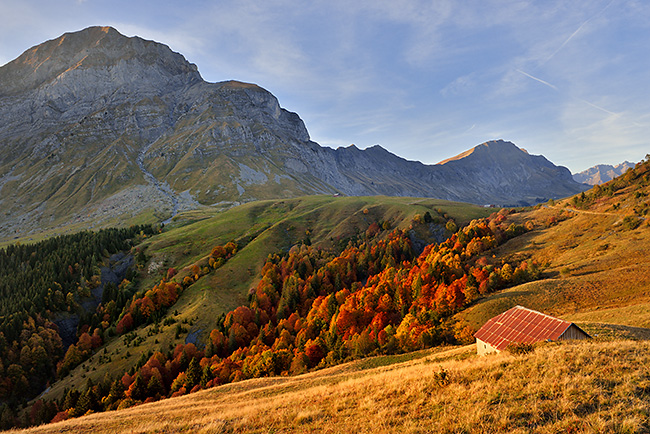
(582,211)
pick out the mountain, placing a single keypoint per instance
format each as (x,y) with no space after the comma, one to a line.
(101,129)
(501,173)
(602,173)
(495,172)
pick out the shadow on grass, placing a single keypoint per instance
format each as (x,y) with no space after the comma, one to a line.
(615,331)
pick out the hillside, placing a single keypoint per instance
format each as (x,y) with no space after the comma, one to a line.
(594,247)
(263,228)
(258,230)
(308,308)
(104,130)
(586,387)
(311,308)
(356,287)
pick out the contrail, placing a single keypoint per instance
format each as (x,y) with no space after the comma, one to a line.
(597,107)
(538,79)
(546,83)
(566,41)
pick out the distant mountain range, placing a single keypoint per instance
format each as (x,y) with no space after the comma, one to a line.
(602,173)
(98,128)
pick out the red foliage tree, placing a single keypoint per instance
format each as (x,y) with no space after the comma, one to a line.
(125,324)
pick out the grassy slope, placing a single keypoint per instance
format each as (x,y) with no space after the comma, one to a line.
(582,387)
(267,227)
(598,271)
(264,227)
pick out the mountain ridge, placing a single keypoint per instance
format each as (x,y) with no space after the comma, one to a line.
(602,173)
(102,129)
(89,48)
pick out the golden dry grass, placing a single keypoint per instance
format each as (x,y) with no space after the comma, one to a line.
(595,271)
(582,387)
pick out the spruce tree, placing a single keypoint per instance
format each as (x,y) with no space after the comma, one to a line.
(206,375)
(155,388)
(193,373)
(117,391)
(138,389)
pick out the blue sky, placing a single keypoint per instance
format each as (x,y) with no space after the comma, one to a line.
(424,79)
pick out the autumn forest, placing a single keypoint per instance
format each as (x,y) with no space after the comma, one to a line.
(312,308)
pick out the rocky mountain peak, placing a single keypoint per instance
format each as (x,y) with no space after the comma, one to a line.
(492,150)
(505,170)
(98,48)
(602,173)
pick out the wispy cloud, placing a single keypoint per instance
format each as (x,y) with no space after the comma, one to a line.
(459,86)
(603,134)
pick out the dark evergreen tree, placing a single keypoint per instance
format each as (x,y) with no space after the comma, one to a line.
(206,375)
(138,389)
(193,373)
(155,387)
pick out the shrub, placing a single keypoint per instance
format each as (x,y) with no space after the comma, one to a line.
(631,222)
(520,348)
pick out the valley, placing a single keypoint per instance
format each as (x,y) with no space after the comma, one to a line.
(263,229)
(164,189)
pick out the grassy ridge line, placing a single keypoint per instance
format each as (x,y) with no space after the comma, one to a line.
(582,387)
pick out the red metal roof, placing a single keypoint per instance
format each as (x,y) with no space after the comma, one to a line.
(521,325)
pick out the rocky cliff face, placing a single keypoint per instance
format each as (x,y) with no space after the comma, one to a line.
(602,173)
(101,129)
(495,172)
(504,174)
